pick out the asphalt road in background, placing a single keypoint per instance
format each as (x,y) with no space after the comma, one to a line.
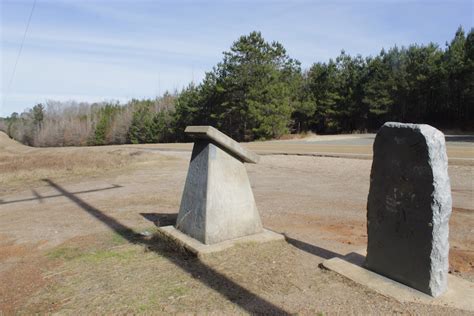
(460,147)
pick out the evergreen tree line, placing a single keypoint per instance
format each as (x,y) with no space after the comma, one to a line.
(258,92)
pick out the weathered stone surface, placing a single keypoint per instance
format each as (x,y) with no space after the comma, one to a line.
(409,206)
(217,202)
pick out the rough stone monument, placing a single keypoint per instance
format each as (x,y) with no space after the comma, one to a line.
(217,206)
(409,206)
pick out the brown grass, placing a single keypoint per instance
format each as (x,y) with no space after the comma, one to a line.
(106,274)
(21,166)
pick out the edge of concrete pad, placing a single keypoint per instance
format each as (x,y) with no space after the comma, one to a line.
(460,293)
(197,248)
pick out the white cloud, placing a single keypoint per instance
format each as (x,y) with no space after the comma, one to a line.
(70,38)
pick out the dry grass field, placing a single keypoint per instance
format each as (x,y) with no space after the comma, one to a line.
(76,236)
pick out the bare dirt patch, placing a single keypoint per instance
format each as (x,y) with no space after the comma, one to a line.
(21,269)
(461,260)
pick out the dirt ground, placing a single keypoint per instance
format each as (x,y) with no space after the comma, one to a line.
(76,236)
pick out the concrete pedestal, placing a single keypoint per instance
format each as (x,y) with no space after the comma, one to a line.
(217,203)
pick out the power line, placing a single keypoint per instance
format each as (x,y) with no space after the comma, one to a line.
(19,51)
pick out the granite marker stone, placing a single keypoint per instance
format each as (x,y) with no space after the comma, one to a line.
(409,206)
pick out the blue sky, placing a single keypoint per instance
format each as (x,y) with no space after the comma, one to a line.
(116,50)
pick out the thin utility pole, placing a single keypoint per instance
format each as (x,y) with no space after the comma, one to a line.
(19,53)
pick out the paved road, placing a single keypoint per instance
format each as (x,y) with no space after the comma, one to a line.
(460,147)
(368,140)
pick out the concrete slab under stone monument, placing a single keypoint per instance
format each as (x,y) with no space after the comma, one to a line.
(460,292)
(409,206)
(408,211)
(217,206)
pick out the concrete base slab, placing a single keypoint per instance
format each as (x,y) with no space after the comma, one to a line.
(199,249)
(460,293)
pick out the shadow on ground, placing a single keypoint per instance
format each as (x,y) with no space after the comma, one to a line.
(215,280)
(161,219)
(312,249)
(40,198)
(234,292)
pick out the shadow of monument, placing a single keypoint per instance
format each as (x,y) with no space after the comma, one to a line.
(215,280)
(312,249)
(161,219)
(352,257)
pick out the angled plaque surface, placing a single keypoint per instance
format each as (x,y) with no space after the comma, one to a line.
(221,139)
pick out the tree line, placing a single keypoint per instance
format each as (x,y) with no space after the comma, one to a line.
(257,91)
